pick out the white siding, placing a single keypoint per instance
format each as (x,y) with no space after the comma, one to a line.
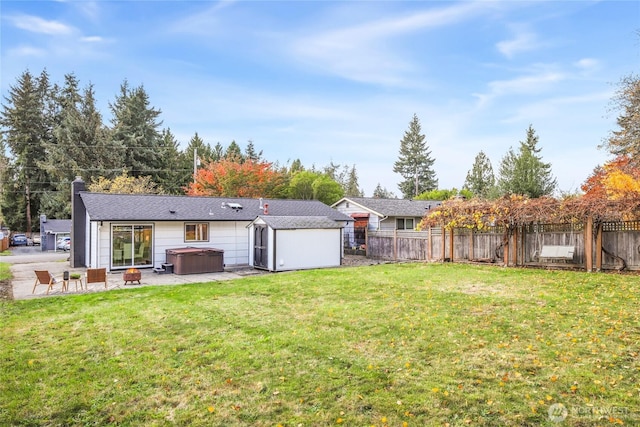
(304,249)
(230,236)
(388,224)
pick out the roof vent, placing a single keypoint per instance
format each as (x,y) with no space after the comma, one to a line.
(234,206)
(172,211)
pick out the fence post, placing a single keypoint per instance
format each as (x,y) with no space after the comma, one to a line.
(588,244)
(514,248)
(366,242)
(395,244)
(599,247)
(451,245)
(429,244)
(505,250)
(443,236)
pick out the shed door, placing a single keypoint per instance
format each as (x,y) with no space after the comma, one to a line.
(260,251)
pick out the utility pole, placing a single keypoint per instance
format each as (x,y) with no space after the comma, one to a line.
(196,162)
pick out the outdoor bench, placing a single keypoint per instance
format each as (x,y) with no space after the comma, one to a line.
(556,253)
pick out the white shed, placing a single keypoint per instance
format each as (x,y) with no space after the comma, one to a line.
(282,243)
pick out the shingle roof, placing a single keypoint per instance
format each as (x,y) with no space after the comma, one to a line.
(393,207)
(154,207)
(57,226)
(298,222)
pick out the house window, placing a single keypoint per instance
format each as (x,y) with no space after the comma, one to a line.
(404,224)
(196,232)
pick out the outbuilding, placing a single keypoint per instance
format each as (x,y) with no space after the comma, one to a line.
(283,243)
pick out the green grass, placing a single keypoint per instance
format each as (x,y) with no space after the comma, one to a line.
(5,272)
(421,344)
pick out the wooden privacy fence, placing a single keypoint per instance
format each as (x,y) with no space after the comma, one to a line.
(606,246)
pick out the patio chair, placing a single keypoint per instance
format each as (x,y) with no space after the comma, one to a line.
(97,275)
(43,277)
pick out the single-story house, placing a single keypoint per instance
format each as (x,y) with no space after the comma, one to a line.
(119,231)
(51,230)
(376,214)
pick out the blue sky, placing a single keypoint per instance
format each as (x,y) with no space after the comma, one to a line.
(330,81)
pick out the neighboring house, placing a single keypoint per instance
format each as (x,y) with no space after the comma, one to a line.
(118,231)
(382,214)
(51,230)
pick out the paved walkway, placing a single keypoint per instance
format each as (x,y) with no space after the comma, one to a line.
(23,267)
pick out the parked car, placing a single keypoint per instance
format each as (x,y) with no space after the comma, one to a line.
(19,240)
(64,244)
(36,239)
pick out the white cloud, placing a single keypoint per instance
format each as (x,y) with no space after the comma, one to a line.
(529,84)
(27,51)
(365,53)
(523,41)
(556,107)
(587,63)
(36,24)
(92,39)
(206,22)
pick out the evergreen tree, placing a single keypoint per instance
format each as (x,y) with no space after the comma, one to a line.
(414,162)
(506,172)
(199,150)
(296,166)
(135,126)
(251,154)
(234,153)
(626,140)
(177,170)
(382,193)
(525,173)
(351,187)
(217,153)
(480,179)
(26,126)
(79,146)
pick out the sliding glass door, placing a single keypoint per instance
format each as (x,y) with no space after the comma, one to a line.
(131,246)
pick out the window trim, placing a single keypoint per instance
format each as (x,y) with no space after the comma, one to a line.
(404,223)
(198,226)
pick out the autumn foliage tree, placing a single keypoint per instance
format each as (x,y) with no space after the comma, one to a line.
(125,184)
(617,179)
(230,178)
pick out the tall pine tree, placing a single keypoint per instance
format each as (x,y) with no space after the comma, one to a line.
(27,122)
(79,147)
(525,173)
(480,179)
(177,169)
(415,163)
(135,126)
(626,139)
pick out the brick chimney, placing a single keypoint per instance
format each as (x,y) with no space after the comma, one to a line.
(78,225)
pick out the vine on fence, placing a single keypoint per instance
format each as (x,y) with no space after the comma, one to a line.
(515,210)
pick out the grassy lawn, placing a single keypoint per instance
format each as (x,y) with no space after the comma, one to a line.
(408,344)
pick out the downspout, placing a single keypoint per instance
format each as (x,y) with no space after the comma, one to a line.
(384,218)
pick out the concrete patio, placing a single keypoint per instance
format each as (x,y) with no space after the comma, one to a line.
(23,267)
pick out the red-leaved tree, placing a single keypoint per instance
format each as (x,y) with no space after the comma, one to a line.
(229,178)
